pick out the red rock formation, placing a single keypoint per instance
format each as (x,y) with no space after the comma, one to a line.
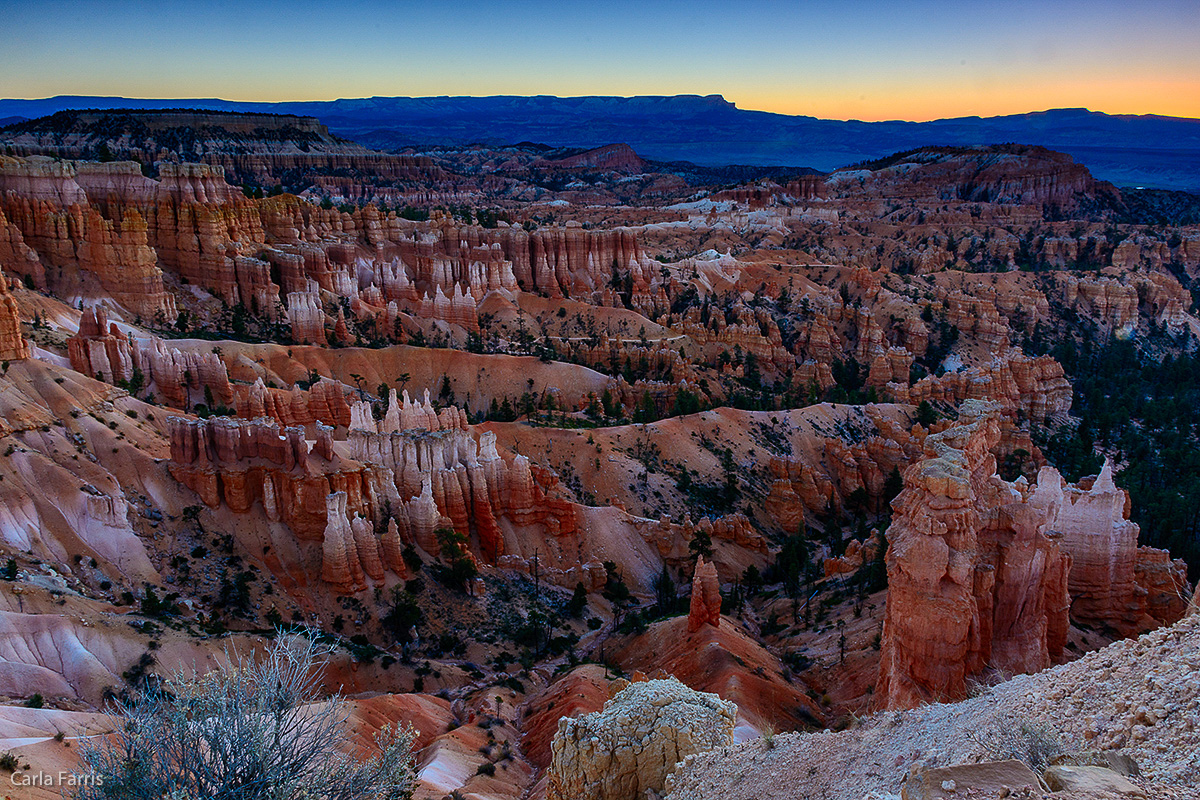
(973,580)
(340,564)
(325,401)
(86,252)
(795,488)
(431,473)
(341,334)
(1037,387)
(392,548)
(100,350)
(41,179)
(174,373)
(1114,582)
(857,553)
(705,607)
(611,157)
(671,539)
(458,308)
(1114,304)
(12,342)
(240,462)
(1017,174)
(17,257)
(368,548)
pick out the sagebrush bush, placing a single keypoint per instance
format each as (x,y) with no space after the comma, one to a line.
(1009,737)
(248,730)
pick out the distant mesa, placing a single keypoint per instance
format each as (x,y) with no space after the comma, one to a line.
(260,149)
(1128,150)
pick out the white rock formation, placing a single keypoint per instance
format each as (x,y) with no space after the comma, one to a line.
(636,741)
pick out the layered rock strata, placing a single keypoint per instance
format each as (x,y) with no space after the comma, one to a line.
(12,341)
(705,605)
(325,401)
(976,579)
(1115,583)
(241,462)
(100,350)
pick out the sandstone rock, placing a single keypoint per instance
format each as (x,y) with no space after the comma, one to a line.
(12,342)
(1089,781)
(368,548)
(326,401)
(974,581)
(238,462)
(393,548)
(705,606)
(174,373)
(1113,582)
(87,249)
(970,780)
(340,563)
(634,743)
(1036,387)
(306,317)
(1017,174)
(17,257)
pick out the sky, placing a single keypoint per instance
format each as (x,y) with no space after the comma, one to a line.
(854,59)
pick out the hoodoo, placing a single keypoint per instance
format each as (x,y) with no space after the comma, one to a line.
(501,466)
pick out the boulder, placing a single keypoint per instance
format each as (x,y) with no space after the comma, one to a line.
(1088,781)
(989,779)
(636,741)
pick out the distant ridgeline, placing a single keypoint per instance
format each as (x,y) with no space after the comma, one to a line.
(256,149)
(1127,150)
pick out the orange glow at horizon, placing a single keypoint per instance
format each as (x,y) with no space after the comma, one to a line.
(833,59)
(865,99)
(1132,96)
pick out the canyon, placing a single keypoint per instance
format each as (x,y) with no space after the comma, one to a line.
(585,464)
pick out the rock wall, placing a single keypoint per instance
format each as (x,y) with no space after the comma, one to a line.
(306,318)
(415,471)
(1006,173)
(1036,387)
(105,228)
(1113,582)
(449,474)
(17,257)
(325,401)
(975,581)
(100,350)
(241,462)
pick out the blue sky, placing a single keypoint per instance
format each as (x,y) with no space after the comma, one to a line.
(864,60)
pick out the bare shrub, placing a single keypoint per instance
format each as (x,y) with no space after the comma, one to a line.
(249,730)
(1009,737)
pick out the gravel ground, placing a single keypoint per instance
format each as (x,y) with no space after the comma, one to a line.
(1141,696)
